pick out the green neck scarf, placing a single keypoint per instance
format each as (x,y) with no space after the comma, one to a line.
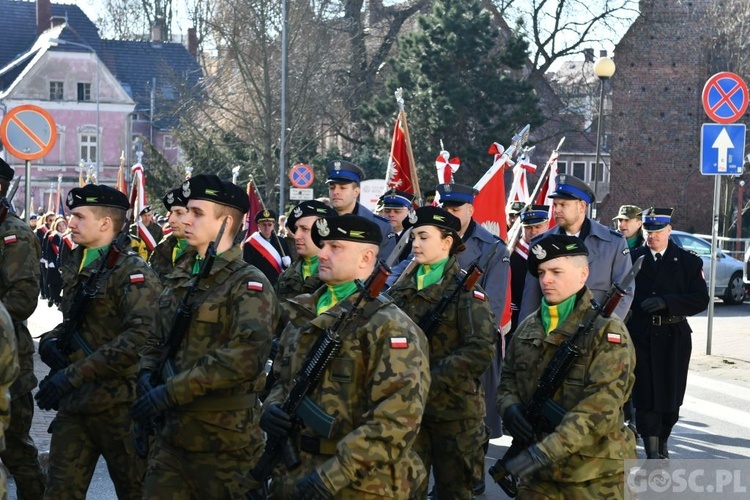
(632,241)
(553,315)
(335,294)
(309,266)
(429,274)
(179,249)
(199,261)
(90,255)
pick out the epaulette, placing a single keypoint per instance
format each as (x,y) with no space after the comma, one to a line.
(615,232)
(381,218)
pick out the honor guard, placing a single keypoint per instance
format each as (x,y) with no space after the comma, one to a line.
(362,416)
(302,275)
(669,288)
(343,190)
(20,254)
(395,207)
(108,310)
(264,249)
(609,256)
(174,248)
(630,225)
(198,373)
(461,339)
(583,455)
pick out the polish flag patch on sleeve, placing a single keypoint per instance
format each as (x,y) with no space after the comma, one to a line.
(399,343)
(10,239)
(255,286)
(479,295)
(137,278)
(614,338)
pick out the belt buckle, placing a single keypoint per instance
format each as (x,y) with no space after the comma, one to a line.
(655,320)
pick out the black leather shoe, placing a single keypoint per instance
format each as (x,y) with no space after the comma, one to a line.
(478,488)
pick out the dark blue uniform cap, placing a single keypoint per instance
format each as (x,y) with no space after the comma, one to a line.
(456,194)
(569,187)
(396,199)
(536,214)
(342,171)
(656,219)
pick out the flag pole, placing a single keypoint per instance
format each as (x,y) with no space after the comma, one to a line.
(407,137)
(251,185)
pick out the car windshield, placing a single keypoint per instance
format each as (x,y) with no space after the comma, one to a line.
(692,244)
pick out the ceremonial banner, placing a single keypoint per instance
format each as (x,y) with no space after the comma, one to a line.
(256,205)
(139,184)
(489,203)
(399,169)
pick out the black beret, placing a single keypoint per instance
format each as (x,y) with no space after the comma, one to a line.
(6,172)
(432,216)
(306,209)
(265,215)
(97,195)
(553,246)
(456,194)
(210,188)
(569,187)
(174,198)
(347,227)
(342,171)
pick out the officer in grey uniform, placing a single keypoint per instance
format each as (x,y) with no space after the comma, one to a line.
(609,256)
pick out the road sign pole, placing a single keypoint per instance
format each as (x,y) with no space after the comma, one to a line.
(28,191)
(712,274)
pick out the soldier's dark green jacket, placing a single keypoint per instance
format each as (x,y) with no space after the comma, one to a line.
(291,283)
(461,348)
(220,357)
(19,291)
(8,369)
(162,258)
(375,388)
(115,326)
(592,440)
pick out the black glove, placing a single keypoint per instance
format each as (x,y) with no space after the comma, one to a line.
(529,460)
(51,391)
(275,421)
(312,488)
(51,354)
(515,421)
(653,304)
(144,383)
(151,404)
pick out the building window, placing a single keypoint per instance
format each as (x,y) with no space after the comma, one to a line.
(55,91)
(597,173)
(579,170)
(168,142)
(84,92)
(562,167)
(88,148)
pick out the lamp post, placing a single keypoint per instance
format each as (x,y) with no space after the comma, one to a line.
(58,41)
(604,68)
(740,201)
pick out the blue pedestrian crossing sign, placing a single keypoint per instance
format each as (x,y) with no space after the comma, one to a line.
(722,149)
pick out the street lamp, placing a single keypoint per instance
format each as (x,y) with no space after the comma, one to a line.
(604,68)
(54,42)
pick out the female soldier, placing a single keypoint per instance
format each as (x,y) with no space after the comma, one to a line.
(461,348)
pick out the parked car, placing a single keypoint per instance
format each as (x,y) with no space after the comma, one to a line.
(747,269)
(729,282)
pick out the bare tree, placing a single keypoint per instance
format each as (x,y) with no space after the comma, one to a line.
(561,28)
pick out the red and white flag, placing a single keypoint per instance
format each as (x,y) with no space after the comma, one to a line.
(547,189)
(256,205)
(519,190)
(398,175)
(139,185)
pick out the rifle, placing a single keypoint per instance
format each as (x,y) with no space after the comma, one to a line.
(180,324)
(6,203)
(466,281)
(317,360)
(515,231)
(542,411)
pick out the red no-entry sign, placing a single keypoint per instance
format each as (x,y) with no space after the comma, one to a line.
(28,132)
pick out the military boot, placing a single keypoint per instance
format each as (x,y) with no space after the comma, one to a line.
(651,445)
(663,450)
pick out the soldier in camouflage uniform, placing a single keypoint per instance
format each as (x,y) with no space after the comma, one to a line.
(19,290)
(174,248)
(94,392)
(462,346)
(374,390)
(584,456)
(302,275)
(8,373)
(207,436)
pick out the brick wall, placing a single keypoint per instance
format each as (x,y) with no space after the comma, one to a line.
(662,66)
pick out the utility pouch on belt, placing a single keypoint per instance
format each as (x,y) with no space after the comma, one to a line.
(315,417)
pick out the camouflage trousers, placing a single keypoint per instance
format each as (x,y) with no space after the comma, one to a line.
(176,474)
(450,449)
(605,488)
(20,455)
(78,440)
(3,485)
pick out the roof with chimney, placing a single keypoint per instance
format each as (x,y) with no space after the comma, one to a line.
(164,69)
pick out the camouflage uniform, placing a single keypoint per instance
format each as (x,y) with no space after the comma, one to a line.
(588,447)
(461,349)
(93,420)
(375,390)
(19,291)
(8,373)
(208,442)
(291,283)
(162,258)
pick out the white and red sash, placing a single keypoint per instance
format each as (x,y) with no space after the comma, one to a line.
(264,247)
(68,239)
(522,248)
